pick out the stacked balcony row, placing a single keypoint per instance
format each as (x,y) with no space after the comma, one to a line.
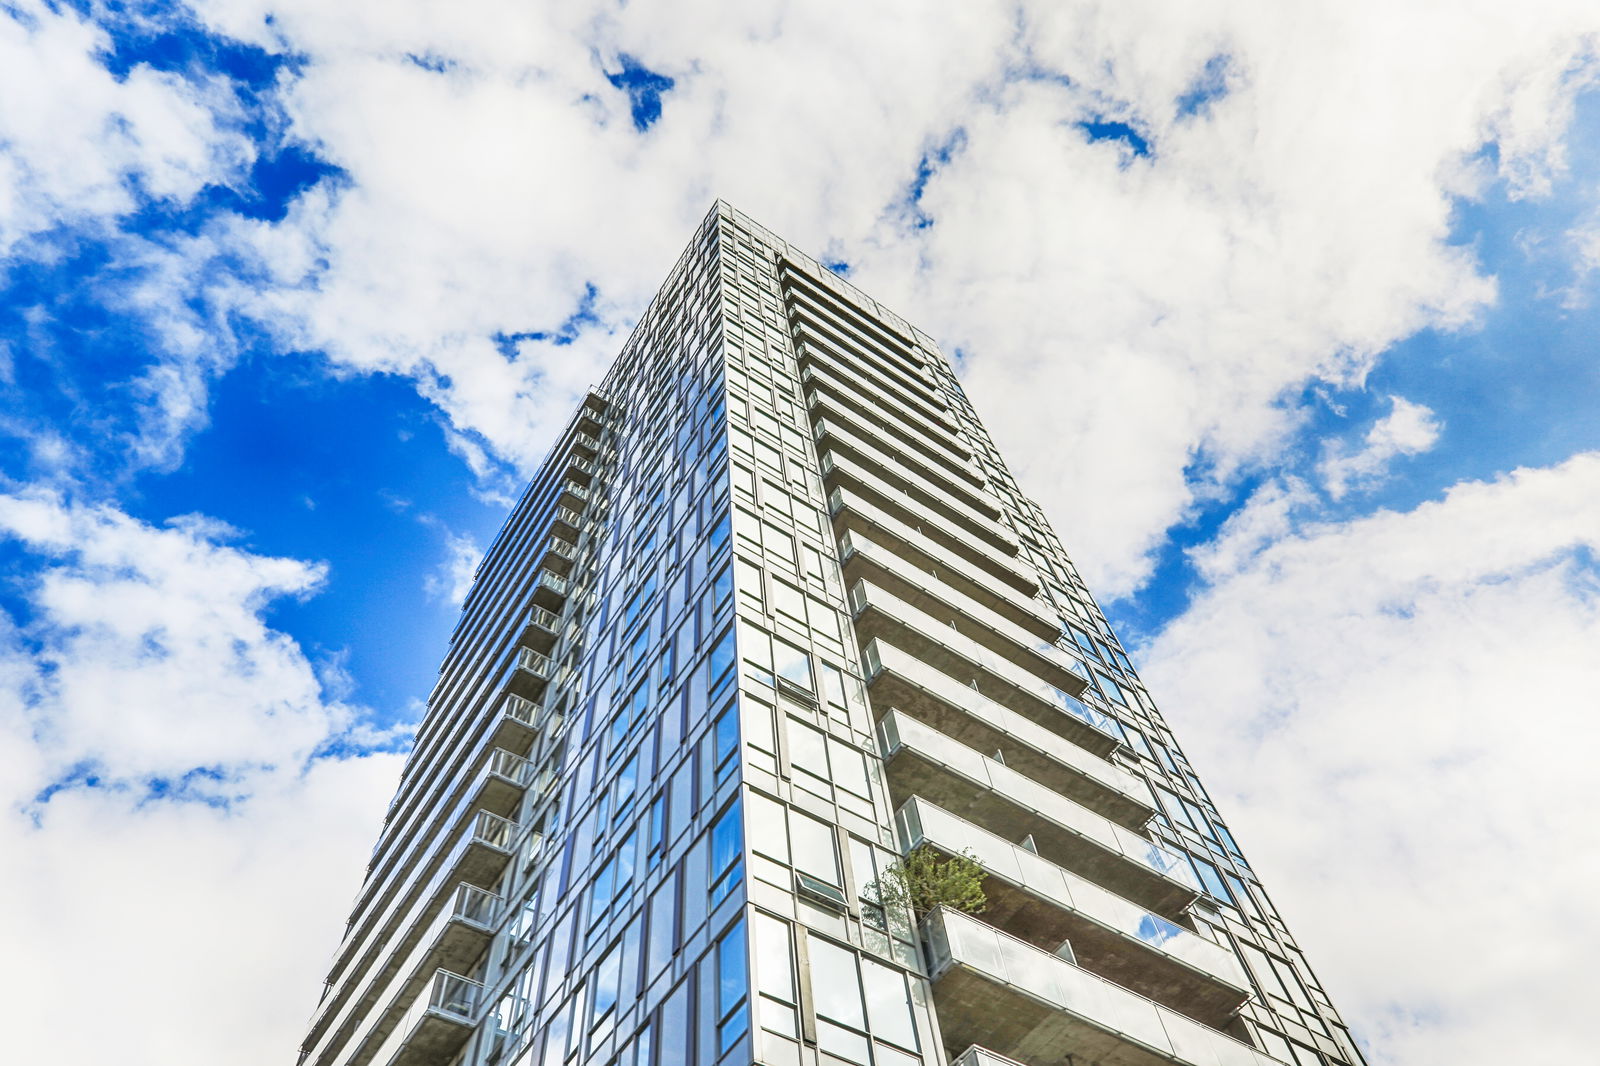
(991,747)
(400,991)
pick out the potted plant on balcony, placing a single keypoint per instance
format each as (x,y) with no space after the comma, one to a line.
(922,881)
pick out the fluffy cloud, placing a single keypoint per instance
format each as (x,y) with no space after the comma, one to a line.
(1157,316)
(169,831)
(1393,713)
(82,145)
(1175,301)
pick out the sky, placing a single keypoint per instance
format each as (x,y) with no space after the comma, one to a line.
(1286,314)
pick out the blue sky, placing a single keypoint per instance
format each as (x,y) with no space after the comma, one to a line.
(292,299)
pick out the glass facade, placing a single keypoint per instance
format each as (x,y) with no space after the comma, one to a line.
(771,614)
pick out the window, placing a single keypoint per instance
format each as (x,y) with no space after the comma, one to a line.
(889,1004)
(1210,879)
(603,889)
(637,603)
(663,939)
(774,957)
(623,793)
(675,1035)
(793,665)
(836,990)
(639,646)
(815,849)
(733,982)
(833,690)
(719,532)
(849,768)
(808,756)
(726,741)
(658,829)
(789,601)
(721,657)
(727,853)
(606,980)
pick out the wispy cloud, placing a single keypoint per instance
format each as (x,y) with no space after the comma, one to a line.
(1408,429)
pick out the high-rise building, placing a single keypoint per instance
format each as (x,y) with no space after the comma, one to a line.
(772,616)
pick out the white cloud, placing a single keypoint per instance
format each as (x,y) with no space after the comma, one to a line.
(1175,306)
(78,140)
(452,581)
(1394,713)
(1408,429)
(194,909)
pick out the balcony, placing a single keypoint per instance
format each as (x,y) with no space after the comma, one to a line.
(558,555)
(540,629)
(506,776)
(905,465)
(926,591)
(818,308)
(585,445)
(820,377)
(825,398)
(436,1026)
(1005,585)
(574,497)
(516,727)
(1043,904)
(566,523)
(1033,683)
(530,674)
(936,515)
(884,382)
(581,470)
(1069,760)
(550,590)
(923,762)
(477,856)
(454,941)
(1000,992)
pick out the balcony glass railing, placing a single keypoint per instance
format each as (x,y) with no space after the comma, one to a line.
(960,603)
(491,829)
(864,595)
(476,905)
(561,546)
(549,579)
(982,1056)
(1163,1035)
(828,401)
(569,516)
(544,618)
(534,663)
(449,998)
(511,766)
(469,904)
(958,526)
(485,829)
(919,821)
(970,501)
(515,707)
(879,656)
(1015,579)
(896,731)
